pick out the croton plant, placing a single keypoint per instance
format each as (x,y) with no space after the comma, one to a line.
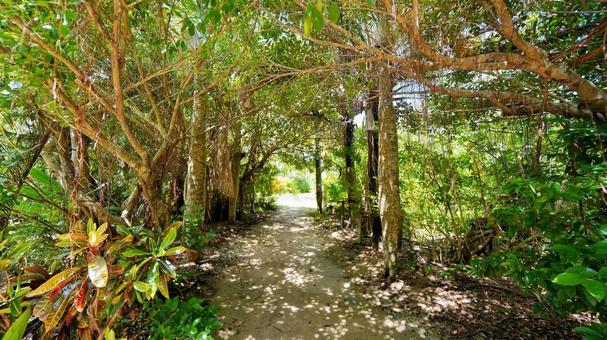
(105,273)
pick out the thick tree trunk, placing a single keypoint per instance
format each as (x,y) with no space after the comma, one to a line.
(371,118)
(195,195)
(318,172)
(389,194)
(352,188)
(235,165)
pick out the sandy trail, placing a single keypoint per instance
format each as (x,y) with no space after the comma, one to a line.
(285,285)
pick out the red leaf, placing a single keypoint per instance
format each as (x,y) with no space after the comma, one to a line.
(68,317)
(38,270)
(80,300)
(60,286)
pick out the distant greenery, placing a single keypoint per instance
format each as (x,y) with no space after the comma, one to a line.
(298,184)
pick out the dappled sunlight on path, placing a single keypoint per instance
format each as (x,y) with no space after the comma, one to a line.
(284,285)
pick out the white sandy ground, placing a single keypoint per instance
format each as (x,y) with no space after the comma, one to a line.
(286,285)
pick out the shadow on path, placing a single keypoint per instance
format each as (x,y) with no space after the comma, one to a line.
(285,285)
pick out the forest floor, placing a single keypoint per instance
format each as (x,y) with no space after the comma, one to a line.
(293,276)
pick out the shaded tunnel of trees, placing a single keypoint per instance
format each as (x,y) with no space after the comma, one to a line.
(468,133)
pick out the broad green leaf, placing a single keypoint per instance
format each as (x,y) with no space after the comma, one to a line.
(152,280)
(590,333)
(168,239)
(167,267)
(333,12)
(90,227)
(568,279)
(53,282)
(565,251)
(17,329)
(133,252)
(600,249)
(141,286)
(318,22)
(109,334)
(98,272)
(175,251)
(595,288)
(41,177)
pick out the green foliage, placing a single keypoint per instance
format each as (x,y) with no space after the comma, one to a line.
(595,332)
(18,327)
(182,319)
(565,207)
(298,184)
(334,189)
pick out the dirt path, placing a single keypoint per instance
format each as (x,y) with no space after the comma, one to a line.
(287,285)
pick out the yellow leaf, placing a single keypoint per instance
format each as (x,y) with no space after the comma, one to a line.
(162,287)
(42,308)
(53,319)
(53,282)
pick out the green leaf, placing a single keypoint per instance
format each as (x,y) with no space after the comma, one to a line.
(596,331)
(568,279)
(318,22)
(109,334)
(133,252)
(167,267)
(168,239)
(371,2)
(153,278)
(307,26)
(600,249)
(90,227)
(595,288)
(122,230)
(175,251)
(334,12)
(98,272)
(17,329)
(141,286)
(566,251)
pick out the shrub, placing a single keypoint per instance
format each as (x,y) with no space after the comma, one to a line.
(299,184)
(178,319)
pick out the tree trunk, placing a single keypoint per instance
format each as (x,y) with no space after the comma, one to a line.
(195,195)
(352,188)
(371,118)
(389,195)
(235,165)
(318,172)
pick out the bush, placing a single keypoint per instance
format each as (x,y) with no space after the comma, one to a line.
(299,184)
(178,319)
